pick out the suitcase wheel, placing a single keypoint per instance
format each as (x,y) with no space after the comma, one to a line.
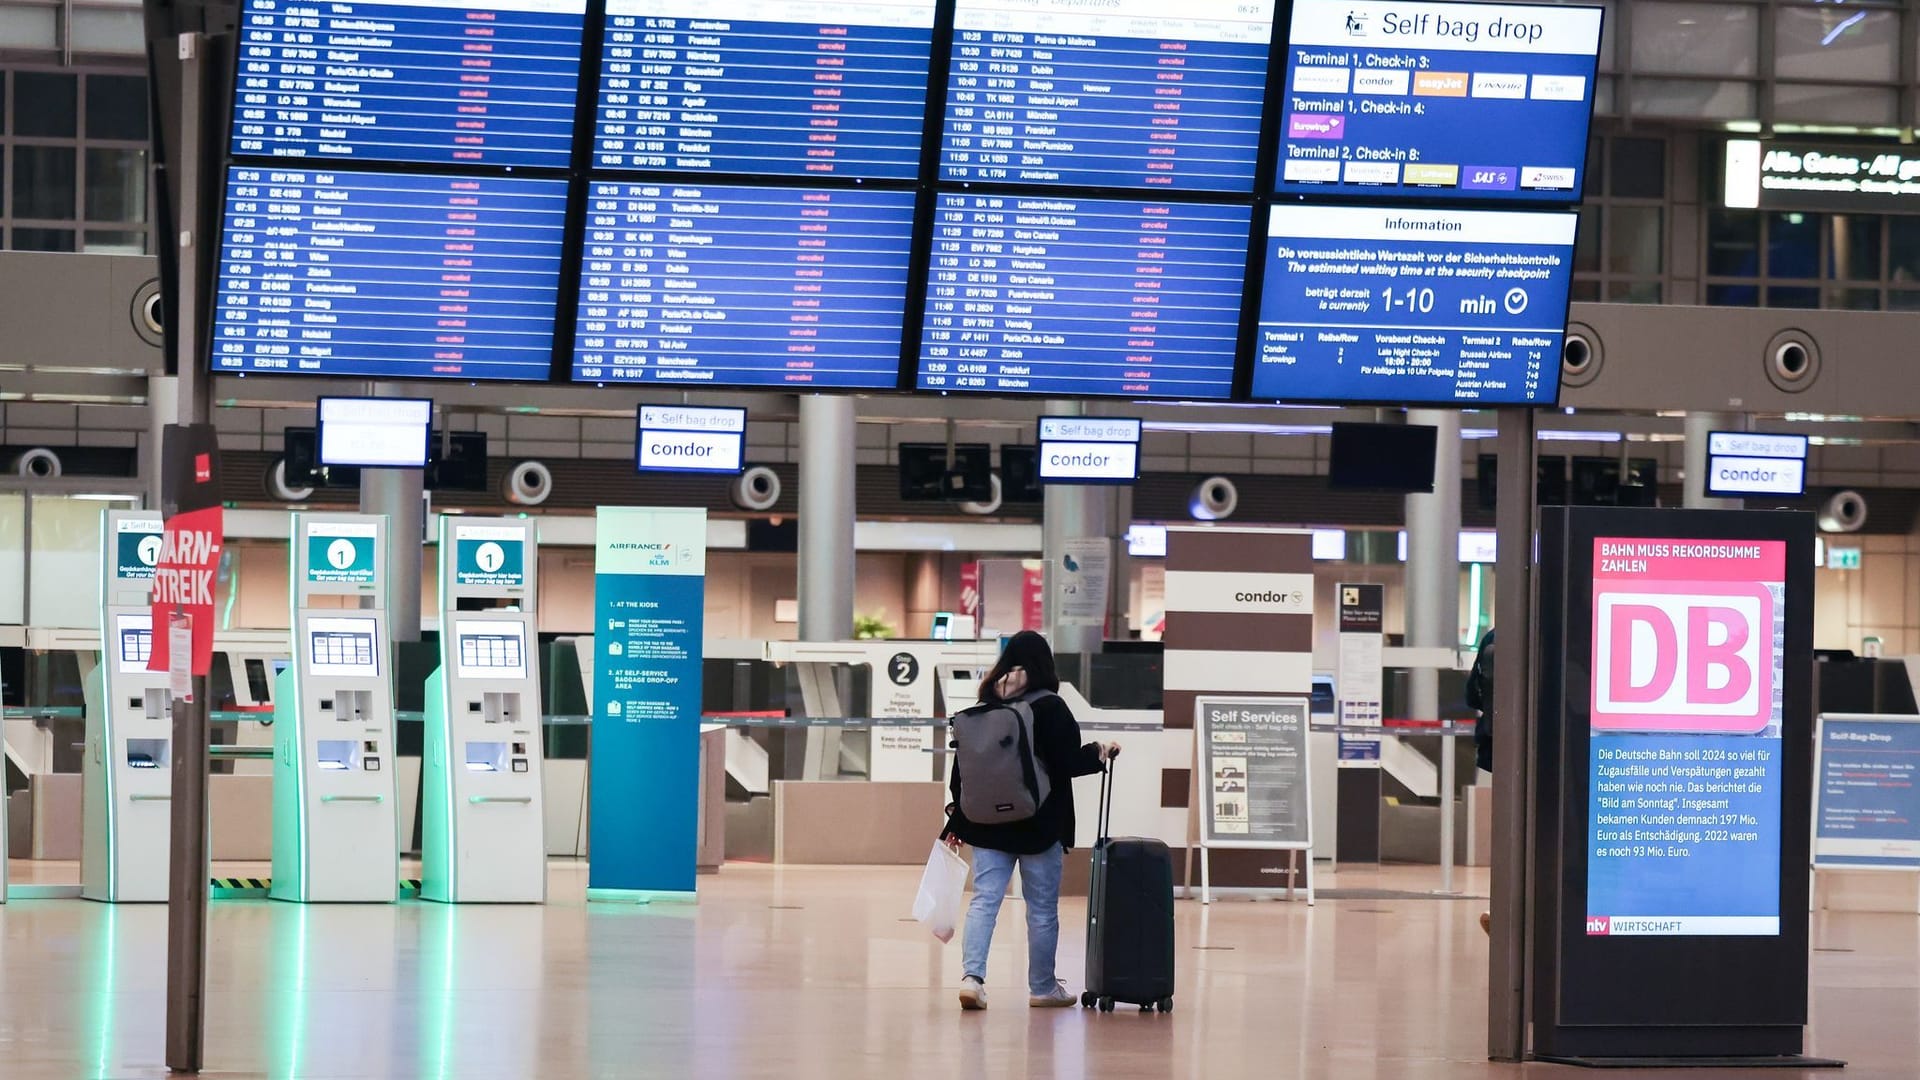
(1146,1008)
(1086,1000)
(1106,1004)
(1166,1004)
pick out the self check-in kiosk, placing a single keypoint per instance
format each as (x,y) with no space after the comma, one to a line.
(126,774)
(335,822)
(484,837)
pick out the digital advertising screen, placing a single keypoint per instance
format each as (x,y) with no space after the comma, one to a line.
(1371,304)
(764,87)
(1122,93)
(479,82)
(1077,296)
(1685,803)
(743,286)
(689,439)
(387,275)
(1385,99)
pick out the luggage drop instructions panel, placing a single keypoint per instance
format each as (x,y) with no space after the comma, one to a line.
(1385,99)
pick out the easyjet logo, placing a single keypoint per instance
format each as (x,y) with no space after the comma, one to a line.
(1696,657)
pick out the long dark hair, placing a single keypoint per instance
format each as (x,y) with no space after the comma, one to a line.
(1029,651)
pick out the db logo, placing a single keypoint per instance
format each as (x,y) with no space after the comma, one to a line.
(1694,657)
(1599,926)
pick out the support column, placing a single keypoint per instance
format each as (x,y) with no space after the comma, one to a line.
(1513,726)
(163,408)
(923,594)
(1073,512)
(1694,483)
(397,493)
(827,437)
(1433,597)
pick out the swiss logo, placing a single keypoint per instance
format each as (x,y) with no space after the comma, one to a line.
(1682,657)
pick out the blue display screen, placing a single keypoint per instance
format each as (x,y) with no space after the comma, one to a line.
(1420,306)
(1125,93)
(1386,99)
(483,82)
(743,286)
(764,87)
(1041,295)
(337,273)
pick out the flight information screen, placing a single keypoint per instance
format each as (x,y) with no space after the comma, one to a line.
(483,82)
(764,87)
(743,286)
(337,273)
(1042,295)
(1367,304)
(1470,101)
(1123,93)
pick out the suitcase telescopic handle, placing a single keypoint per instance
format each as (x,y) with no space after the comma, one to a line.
(1104,824)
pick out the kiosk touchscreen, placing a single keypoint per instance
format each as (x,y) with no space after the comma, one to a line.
(484,838)
(335,821)
(126,781)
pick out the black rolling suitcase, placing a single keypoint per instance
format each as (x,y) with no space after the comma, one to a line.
(1129,918)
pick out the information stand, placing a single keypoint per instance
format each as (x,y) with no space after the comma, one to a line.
(126,774)
(485,839)
(1867,793)
(1253,783)
(335,826)
(1673,799)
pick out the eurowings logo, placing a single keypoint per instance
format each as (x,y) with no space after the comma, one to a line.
(1692,657)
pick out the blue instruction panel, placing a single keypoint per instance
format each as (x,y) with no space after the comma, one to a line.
(1120,93)
(1437,100)
(1073,297)
(764,87)
(743,286)
(481,82)
(414,276)
(1867,802)
(1365,304)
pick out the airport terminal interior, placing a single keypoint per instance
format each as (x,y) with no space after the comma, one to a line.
(512,512)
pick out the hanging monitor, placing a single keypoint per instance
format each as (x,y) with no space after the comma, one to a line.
(686,439)
(1089,450)
(1079,297)
(468,82)
(374,433)
(764,87)
(1412,306)
(1467,102)
(1123,93)
(1383,457)
(387,275)
(1741,464)
(927,474)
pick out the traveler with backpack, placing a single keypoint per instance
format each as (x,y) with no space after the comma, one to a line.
(1018,751)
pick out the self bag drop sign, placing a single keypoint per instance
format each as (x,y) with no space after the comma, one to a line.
(1685,804)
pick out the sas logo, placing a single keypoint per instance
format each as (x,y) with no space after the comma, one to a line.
(1599,926)
(1693,657)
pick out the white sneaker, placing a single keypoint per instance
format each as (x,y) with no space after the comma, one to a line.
(1057,998)
(973,995)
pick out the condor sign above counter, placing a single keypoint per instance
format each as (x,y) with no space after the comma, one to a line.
(680,438)
(1087,450)
(1741,464)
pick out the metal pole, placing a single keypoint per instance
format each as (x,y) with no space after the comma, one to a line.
(188,868)
(1513,720)
(827,436)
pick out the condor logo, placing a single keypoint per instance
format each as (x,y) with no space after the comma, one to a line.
(1694,657)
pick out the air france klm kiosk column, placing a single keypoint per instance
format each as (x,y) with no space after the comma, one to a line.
(126,774)
(484,838)
(335,825)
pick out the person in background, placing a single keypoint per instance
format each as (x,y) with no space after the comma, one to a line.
(1480,699)
(1037,844)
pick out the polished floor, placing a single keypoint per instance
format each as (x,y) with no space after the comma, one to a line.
(816,974)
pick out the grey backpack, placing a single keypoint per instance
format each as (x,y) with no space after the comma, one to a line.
(1001,778)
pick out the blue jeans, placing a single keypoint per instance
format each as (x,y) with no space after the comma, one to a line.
(1039,886)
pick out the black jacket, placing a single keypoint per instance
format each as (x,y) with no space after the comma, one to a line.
(1480,698)
(1057,737)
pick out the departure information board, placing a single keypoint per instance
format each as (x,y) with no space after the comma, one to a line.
(764,87)
(482,82)
(337,273)
(1468,101)
(1123,93)
(743,286)
(1437,306)
(1041,295)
